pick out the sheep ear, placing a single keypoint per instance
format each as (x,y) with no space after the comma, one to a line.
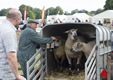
(58,37)
(66,32)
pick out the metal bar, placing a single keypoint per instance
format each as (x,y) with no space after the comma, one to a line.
(91,54)
(36,69)
(46,60)
(92,68)
(36,61)
(86,70)
(94,78)
(27,70)
(41,78)
(106,50)
(98,54)
(35,54)
(39,72)
(94,71)
(91,63)
(88,60)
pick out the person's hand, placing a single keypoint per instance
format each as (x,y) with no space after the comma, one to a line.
(53,37)
(20,78)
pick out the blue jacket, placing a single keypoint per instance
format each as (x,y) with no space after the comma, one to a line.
(29,39)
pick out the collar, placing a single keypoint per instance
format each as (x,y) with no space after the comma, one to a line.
(11,25)
(30,27)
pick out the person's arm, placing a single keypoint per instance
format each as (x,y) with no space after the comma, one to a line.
(10,44)
(39,39)
(12,60)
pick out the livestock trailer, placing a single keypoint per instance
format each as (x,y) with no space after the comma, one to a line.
(96,62)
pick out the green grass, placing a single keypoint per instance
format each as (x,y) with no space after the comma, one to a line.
(20,71)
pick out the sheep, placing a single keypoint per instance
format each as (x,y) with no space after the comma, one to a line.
(82,46)
(72,38)
(59,52)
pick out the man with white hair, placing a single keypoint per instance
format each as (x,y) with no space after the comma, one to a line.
(8,46)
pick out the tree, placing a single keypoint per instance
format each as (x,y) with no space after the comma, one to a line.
(37,13)
(21,8)
(93,13)
(29,10)
(99,11)
(74,11)
(4,12)
(83,11)
(89,13)
(108,5)
(96,12)
(30,14)
(58,9)
(66,13)
(51,11)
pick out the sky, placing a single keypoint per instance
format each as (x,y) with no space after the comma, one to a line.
(66,5)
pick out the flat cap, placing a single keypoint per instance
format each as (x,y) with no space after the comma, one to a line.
(32,21)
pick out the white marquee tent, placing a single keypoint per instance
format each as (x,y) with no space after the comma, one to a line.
(83,17)
(106,15)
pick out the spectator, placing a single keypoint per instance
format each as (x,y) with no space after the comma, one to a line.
(22,27)
(56,21)
(75,20)
(104,21)
(60,21)
(100,23)
(41,25)
(87,21)
(8,46)
(94,23)
(79,21)
(29,39)
(44,23)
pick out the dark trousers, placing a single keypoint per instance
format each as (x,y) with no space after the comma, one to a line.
(23,65)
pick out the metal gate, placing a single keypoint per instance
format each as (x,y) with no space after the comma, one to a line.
(41,66)
(97,61)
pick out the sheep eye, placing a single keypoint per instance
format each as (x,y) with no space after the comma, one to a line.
(78,45)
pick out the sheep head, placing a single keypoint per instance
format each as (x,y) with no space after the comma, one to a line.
(72,34)
(57,42)
(76,47)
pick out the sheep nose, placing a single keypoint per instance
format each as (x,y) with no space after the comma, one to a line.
(75,37)
(55,47)
(71,49)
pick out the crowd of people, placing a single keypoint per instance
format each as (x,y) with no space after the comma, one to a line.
(29,39)
(59,21)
